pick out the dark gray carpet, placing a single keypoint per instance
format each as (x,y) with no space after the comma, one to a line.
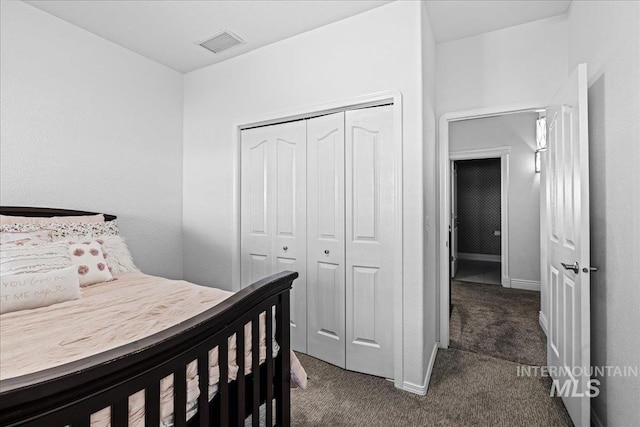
(474,383)
(497,321)
(466,389)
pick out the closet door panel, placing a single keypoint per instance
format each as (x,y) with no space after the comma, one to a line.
(273,206)
(289,243)
(370,180)
(255,222)
(325,238)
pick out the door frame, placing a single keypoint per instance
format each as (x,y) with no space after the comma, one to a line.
(370,100)
(503,154)
(444,200)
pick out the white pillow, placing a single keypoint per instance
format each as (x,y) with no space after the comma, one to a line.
(32,290)
(91,264)
(117,254)
(33,259)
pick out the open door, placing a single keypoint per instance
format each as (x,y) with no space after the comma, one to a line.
(567,214)
(454,220)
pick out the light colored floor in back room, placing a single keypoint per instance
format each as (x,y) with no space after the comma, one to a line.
(478,272)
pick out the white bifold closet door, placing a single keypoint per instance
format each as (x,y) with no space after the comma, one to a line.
(369,241)
(325,238)
(350,225)
(273,205)
(318,197)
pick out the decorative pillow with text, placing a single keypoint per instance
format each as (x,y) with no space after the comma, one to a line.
(33,290)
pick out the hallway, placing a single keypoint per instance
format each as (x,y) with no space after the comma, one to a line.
(496,321)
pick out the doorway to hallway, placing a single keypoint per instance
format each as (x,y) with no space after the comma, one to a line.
(476,207)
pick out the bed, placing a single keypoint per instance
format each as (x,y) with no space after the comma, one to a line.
(71,392)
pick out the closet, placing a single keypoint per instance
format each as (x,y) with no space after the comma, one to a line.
(318,197)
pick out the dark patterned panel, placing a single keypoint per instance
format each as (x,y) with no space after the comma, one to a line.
(478,206)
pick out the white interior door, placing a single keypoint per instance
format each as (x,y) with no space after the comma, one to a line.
(325,239)
(370,202)
(454,220)
(568,348)
(273,228)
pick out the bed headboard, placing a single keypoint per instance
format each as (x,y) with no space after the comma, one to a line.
(47,212)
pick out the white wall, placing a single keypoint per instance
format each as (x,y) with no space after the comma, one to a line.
(517,131)
(430,300)
(522,64)
(375,51)
(89,125)
(606,36)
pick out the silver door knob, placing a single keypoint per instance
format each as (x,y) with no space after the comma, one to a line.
(284,248)
(575,267)
(326,251)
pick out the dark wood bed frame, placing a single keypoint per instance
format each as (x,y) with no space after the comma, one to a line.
(70,393)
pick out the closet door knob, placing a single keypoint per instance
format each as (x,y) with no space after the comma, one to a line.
(326,251)
(284,248)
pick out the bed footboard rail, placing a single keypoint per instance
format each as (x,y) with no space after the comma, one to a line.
(70,394)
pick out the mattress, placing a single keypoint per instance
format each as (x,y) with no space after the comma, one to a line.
(109,315)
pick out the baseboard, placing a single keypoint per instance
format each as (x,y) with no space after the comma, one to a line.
(595,421)
(530,285)
(479,257)
(506,281)
(422,389)
(543,322)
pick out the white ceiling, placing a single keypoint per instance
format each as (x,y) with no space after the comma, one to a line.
(168,31)
(457,19)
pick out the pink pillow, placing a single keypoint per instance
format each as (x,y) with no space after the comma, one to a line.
(7,219)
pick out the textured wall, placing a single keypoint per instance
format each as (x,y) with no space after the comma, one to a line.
(479,210)
(89,125)
(606,35)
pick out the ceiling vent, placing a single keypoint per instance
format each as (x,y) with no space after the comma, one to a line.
(222,41)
